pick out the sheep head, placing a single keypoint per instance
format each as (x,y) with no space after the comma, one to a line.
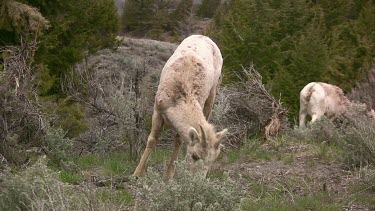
(203,148)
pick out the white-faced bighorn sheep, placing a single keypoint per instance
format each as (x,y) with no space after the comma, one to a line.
(184,102)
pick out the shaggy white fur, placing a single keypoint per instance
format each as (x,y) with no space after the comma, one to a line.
(184,101)
(318,99)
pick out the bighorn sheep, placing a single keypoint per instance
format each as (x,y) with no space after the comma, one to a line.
(318,99)
(184,101)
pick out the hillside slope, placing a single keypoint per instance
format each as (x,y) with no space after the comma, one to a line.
(298,170)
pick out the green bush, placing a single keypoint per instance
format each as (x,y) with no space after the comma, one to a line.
(58,147)
(71,117)
(187,192)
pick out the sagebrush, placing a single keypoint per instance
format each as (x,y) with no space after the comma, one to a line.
(39,188)
(187,192)
(353,132)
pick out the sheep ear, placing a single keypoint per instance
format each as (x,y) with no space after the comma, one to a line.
(220,137)
(193,135)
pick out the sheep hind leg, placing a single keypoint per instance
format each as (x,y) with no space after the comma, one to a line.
(157,124)
(315,117)
(302,119)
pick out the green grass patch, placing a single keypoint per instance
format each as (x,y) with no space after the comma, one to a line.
(261,154)
(70,177)
(160,156)
(364,199)
(327,153)
(118,197)
(363,192)
(111,164)
(280,202)
(88,161)
(231,155)
(287,158)
(118,163)
(252,151)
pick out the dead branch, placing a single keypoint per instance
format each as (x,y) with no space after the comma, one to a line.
(249,108)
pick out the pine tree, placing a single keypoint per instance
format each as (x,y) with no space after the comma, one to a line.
(183,17)
(79,28)
(137,15)
(295,42)
(147,17)
(18,19)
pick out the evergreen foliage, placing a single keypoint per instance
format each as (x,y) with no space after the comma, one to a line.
(208,8)
(147,17)
(294,42)
(137,15)
(157,18)
(78,28)
(183,9)
(184,17)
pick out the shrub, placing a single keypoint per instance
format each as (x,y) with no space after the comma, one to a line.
(38,188)
(71,117)
(118,88)
(248,108)
(22,120)
(353,132)
(57,146)
(363,92)
(359,138)
(323,130)
(187,192)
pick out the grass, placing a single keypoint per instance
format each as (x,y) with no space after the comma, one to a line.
(112,164)
(266,189)
(247,154)
(294,192)
(363,192)
(287,158)
(280,202)
(327,153)
(287,193)
(70,177)
(119,197)
(162,156)
(216,174)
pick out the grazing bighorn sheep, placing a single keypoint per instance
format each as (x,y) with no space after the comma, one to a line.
(184,101)
(318,99)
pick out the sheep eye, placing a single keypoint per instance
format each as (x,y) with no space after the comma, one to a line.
(195,157)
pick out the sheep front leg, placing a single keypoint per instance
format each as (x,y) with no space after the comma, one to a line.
(157,124)
(176,149)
